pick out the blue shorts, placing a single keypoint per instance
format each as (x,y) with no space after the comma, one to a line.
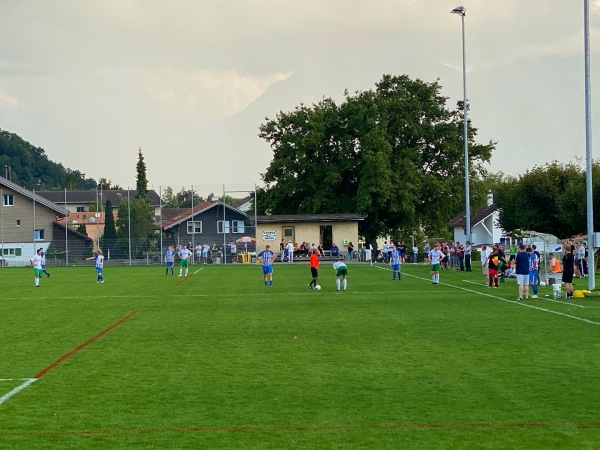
(533,276)
(267,269)
(169,264)
(98,269)
(396,267)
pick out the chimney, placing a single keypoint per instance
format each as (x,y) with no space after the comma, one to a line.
(7,172)
(490,198)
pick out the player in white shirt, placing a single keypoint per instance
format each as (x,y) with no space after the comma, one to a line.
(36,263)
(184,256)
(436,256)
(341,271)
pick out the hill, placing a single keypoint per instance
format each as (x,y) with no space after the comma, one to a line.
(29,166)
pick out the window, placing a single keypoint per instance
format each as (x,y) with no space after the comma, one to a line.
(223,226)
(237,226)
(194,227)
(38,235)
(18,223)
(9,252)
(80,208)
(8,200)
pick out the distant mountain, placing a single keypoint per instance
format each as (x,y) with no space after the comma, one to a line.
(533,108)
(30,167)
(237,136)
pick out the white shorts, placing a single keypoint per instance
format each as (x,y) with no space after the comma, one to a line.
(523,280)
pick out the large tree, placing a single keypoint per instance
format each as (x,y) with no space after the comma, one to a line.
(548,199)
(394,154)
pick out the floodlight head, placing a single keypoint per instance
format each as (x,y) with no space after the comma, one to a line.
(460,10)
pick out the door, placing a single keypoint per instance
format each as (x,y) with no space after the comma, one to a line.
(288,234)
(326,236)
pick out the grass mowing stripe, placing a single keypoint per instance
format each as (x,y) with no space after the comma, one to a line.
(44,371)
(258,428)
(226,295)
(539,308)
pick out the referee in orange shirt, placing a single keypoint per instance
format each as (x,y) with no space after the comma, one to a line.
(314,268)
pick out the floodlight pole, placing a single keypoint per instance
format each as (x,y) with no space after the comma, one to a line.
(588,152)
(462,12)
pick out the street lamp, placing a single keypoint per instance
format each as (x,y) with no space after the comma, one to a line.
(592,244)
(462,12)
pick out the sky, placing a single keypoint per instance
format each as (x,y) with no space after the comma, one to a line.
(190,81)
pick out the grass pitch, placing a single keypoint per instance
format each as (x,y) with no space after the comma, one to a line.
(217,360)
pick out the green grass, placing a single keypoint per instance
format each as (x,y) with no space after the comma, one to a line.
(219,361)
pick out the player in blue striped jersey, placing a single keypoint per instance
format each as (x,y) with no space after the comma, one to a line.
(266,258)
(395,261)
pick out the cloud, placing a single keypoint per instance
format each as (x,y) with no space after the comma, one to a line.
(213,94)
(8,100)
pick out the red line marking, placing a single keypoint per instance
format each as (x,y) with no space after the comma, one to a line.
(82,346)
(183,280)
(258,428)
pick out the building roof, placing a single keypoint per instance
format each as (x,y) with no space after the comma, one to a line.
(296,218)
(34,196)
(476,217)
(114,195)
(243,203)
(174,216)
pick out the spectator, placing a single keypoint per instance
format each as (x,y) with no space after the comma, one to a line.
(289,249)
(426,250)
(335,250)
(350,250)
(468,249)
(554,263)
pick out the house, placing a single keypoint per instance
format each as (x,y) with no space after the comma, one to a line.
(484,226)
(81,201)
(323,229)
(27,222)
(246,205)
(93,222)
(211,222)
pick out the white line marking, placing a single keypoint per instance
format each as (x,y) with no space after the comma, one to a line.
(13,379)
(17,389)
(539,308)
(558,301)
(198,271)
(542,298)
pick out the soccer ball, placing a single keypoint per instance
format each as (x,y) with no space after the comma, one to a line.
(318,287)
(542,283)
